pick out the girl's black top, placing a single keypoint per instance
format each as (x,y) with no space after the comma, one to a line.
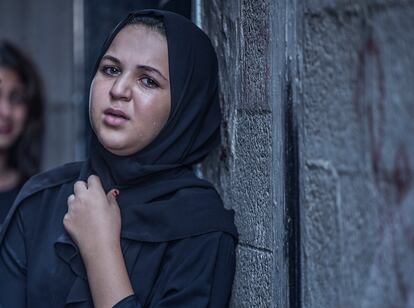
(6,200)
(177,238)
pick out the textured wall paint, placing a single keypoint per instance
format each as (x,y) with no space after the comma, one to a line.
(353,76)
(357,154)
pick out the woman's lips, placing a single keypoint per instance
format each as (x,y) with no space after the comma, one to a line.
(115,117)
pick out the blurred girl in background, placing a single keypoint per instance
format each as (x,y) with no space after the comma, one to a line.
(21,123)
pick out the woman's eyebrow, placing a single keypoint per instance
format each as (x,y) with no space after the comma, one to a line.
(151,69)
(143,67)
(111,58)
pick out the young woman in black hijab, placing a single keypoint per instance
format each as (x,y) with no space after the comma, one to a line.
(139,228)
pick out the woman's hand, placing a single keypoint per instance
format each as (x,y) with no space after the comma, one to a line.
(93,219)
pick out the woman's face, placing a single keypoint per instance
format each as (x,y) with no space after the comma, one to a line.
(130,97)
(13,108)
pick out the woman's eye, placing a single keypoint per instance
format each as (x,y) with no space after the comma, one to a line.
(149,83)
(111,70)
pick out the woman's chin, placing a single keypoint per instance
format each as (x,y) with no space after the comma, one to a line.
(121,142)
(120,149)
(117,149)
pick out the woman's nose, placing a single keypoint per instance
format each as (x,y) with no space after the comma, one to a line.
(121,88)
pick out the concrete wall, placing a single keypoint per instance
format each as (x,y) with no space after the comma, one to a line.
(338,76)
(357,154)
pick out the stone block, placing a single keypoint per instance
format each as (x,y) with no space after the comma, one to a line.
(255,61)
(321,236)
(253,282)
(332,130)
(249,187)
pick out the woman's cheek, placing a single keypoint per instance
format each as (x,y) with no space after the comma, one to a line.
(94,108)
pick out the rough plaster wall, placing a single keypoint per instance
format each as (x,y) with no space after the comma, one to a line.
(357,154)
(241,169)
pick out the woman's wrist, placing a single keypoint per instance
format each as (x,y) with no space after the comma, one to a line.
(107,274)
(100,249)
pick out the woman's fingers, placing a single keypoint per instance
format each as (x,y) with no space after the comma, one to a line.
(71,198)
(94,182)
(111,196)
(79,187)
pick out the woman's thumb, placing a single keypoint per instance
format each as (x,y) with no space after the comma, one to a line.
(112,195)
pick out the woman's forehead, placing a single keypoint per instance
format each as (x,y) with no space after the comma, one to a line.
(140,39)
(139,45)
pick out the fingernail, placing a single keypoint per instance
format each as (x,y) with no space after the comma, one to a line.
(115,192)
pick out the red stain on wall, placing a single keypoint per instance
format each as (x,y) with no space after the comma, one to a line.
(399,176)
(394,181)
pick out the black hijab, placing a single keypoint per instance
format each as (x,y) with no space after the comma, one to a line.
(192,129)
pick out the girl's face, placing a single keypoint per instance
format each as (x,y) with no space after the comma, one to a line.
(130,97)
(13,108)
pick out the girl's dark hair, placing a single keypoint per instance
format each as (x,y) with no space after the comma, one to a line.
(151,22)
(25,154)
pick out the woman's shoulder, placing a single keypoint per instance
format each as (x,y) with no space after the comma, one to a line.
(56,175)
(206,242)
